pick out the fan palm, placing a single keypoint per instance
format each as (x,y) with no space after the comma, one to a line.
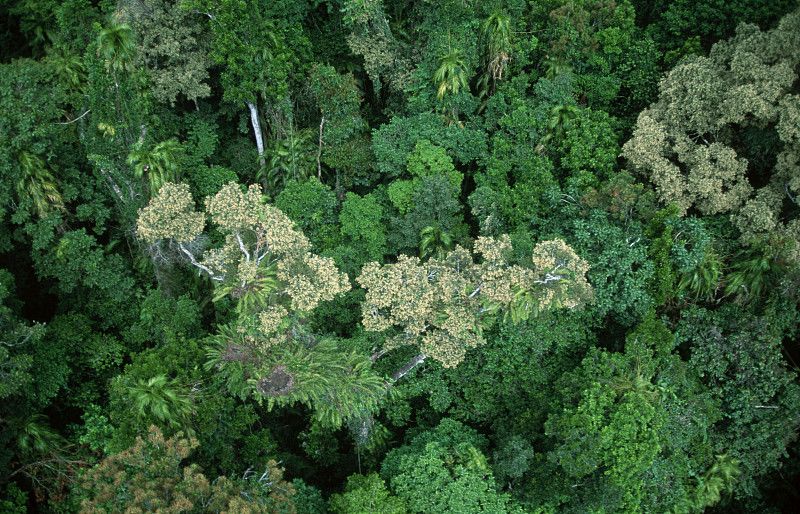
(160,398)
(159,164)
(702,280)
(69,68)
(36,436)
(754,272)
(116,46)
(560,117)
(555,66)
(434,242)
(38,185)
(450,77)
(253,295)
(290,158)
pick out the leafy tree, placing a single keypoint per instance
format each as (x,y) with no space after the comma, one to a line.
(341,124)
(707,20)
(91,276)
(395,141)
(366,495)
(433,203)
(621,271)
(15,363)
(620,427)
(34,103)
(444,470)
(589,40)
(372,38)
(312,205)
(686,143)
(173,47)
(739,356)
(361,222)
(253,49)
(266,266)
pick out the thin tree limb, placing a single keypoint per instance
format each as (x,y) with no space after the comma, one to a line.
(76,119)
(413,363)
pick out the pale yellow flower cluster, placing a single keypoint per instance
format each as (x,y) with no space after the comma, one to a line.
(553,259)
(263,226)
(493,250)
(223,259)
(687,142)
(170,215)
(257,236)
(234,211)
(271,318)
(311,279)
(439,304)
(280,234)
(247,271)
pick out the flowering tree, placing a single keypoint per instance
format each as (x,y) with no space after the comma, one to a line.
(442,305)
(265,262)
(266,266)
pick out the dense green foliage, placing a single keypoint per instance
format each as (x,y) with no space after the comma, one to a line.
(399,256)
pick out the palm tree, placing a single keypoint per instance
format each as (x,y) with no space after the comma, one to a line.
(451,76)
(290,158)
(36,436)
(555,66)
(38,185)
(160,163)
(496,36)
(434,242)
(116,46)
(68,67)
(560,116)
(754,272)
(703,280)
(160,398)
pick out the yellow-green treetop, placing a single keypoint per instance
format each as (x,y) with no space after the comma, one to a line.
(442,305)
(264,262)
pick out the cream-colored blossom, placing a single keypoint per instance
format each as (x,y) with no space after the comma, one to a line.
(263,253)
(686,143)
(439,305)
(271,318)
(170,215)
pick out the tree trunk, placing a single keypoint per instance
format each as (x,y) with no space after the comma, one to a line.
(319,150)
(257,130)
(413,363)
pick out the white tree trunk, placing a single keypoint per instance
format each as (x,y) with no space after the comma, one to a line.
(413,363)
(257,130)
(319,150)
